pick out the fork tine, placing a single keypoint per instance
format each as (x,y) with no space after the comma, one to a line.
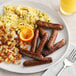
(74,59)
(74,56)
(71,53)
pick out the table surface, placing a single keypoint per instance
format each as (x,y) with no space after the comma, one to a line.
(71,23)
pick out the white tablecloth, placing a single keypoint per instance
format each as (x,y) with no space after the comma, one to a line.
(71,22)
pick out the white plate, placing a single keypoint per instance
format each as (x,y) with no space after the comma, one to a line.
(57,56)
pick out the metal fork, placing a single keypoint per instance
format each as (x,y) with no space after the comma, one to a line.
(68,61)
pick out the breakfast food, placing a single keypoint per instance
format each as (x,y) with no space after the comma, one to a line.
(31,54)
(36,62)
(52,39)
(8,51)
(41,31)
(27,34)
(55,48)
(22,28)
(35,41)
(49,25)
(42,43)
(17,16)
(13,23)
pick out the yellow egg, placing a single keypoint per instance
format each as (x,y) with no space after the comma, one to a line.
(15,16)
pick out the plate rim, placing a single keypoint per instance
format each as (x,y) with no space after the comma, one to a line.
(68,43)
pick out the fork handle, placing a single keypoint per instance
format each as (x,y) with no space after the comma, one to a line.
(62,69)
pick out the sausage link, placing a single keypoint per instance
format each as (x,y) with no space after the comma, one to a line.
(35,41)
(56,47)
(42,32)
(49,25)
(37,62)
(52,39)
(31,54)
(42,43)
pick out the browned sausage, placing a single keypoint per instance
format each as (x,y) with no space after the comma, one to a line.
(41,31)
(37,62)
(52,39)
(35,41)
(42,43)
(31,54)
(56,47)
(49,25)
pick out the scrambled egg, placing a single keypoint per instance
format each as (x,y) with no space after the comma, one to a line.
(15,16)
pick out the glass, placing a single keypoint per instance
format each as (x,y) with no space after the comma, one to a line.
(67,7)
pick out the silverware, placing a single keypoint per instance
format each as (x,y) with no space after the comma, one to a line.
(68,61)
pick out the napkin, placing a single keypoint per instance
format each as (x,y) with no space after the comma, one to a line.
(70,71)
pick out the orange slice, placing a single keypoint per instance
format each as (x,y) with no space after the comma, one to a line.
(26,34)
